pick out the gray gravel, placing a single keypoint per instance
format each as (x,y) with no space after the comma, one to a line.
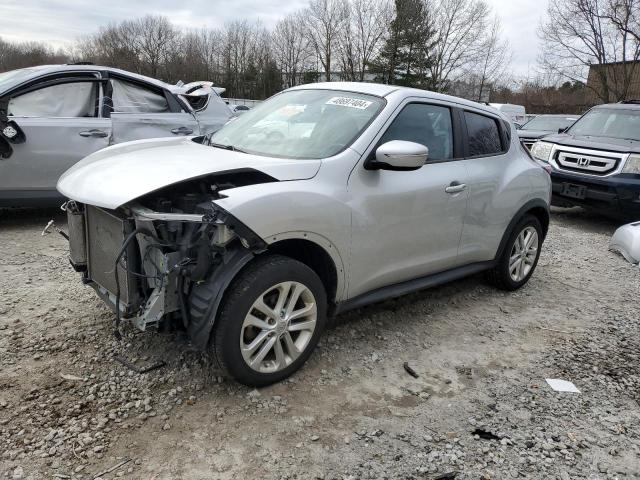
(479,409)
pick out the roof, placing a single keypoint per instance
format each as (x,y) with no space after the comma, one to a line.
(383,90)
(558,115)
(42,70)
(377,89)
(620,106)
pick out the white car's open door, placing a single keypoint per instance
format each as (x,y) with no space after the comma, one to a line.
(136,126)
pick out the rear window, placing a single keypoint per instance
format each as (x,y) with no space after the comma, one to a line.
(484,135)
(128,97)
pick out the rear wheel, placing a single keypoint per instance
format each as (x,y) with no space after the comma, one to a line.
(270,321)
(520,256)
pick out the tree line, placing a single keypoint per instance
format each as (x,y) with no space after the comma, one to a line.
(419,43)
(452,46)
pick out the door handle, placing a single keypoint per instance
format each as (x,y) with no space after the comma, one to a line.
(182,131)
(455,187)
(95,133)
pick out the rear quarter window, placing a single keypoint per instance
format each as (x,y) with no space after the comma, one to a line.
(483,135)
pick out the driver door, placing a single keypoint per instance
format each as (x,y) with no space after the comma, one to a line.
(62,124)
(408,224)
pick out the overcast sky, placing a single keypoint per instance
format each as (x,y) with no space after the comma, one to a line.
(60,22)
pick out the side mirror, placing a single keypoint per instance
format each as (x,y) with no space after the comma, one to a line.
(399,155)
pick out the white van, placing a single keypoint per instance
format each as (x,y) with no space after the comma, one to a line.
(516,113)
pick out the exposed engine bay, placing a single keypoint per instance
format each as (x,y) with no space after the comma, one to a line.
(146,258)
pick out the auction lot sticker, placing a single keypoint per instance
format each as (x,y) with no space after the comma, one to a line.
(349,102)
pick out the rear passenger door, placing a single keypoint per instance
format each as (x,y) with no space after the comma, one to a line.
(496,185)
(141,111)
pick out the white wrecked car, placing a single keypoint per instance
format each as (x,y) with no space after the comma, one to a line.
(53,116)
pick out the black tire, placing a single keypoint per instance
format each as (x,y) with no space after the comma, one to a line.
(500,276)
(259,276)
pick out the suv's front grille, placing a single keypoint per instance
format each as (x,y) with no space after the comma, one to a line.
(589,162)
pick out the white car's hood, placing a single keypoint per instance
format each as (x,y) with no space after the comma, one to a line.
(116,175)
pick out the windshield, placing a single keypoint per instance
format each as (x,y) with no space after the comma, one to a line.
(612,123)
(301,124)
(14,76)
(548,124)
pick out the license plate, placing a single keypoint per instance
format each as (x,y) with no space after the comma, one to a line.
(574,191)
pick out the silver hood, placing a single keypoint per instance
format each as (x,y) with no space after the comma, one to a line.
(116,175)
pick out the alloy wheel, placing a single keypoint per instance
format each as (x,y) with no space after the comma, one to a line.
(523,254)
(278,327)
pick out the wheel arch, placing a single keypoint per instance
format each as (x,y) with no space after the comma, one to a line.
(536,207)
(318,253)
(313,250)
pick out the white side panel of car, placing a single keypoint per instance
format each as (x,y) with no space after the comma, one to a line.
(53,145)
(137,126)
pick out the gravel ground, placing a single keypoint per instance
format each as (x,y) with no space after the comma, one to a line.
(479,409)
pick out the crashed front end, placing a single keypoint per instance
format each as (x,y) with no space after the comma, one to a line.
(144,258)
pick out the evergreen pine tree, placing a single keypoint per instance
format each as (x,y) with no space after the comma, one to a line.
(406,55)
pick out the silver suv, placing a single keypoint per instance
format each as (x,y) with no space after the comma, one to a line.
(325,198)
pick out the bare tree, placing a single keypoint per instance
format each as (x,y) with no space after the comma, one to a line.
(493,60)
(142,45)
(27,54)
(363,35)
(580,36)
(625,15)
(154,37)
(325,19)
(460,24)
(291,47)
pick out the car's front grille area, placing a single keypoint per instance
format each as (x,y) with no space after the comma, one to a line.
(589,163)
(106,233)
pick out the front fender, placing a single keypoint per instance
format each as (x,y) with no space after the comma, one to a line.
(306,210)
(324,243)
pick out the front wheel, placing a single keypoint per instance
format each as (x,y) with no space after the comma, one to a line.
(271,321)
(520,256)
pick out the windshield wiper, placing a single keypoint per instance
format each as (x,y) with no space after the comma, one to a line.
(226,147)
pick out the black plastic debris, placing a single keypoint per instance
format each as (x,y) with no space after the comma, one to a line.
(410,370)
(446,476)
(484,434)
(137,369)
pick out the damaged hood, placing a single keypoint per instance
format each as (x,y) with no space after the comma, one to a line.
(116,175)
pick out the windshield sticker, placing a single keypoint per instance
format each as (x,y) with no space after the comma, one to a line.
(349,102)
(290,110)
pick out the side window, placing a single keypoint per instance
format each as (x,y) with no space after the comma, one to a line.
(429,125)
(77,99)
(128,97)
(484,135)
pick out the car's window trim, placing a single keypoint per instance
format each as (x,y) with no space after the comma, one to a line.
(173,104)
(60,80)
(455,126)
(505,141)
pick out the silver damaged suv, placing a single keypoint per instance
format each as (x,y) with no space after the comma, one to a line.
(325,198)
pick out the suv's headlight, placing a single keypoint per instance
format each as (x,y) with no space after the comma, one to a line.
(632,165)
(541,150)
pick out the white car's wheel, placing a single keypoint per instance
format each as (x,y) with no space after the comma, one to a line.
(270,321)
